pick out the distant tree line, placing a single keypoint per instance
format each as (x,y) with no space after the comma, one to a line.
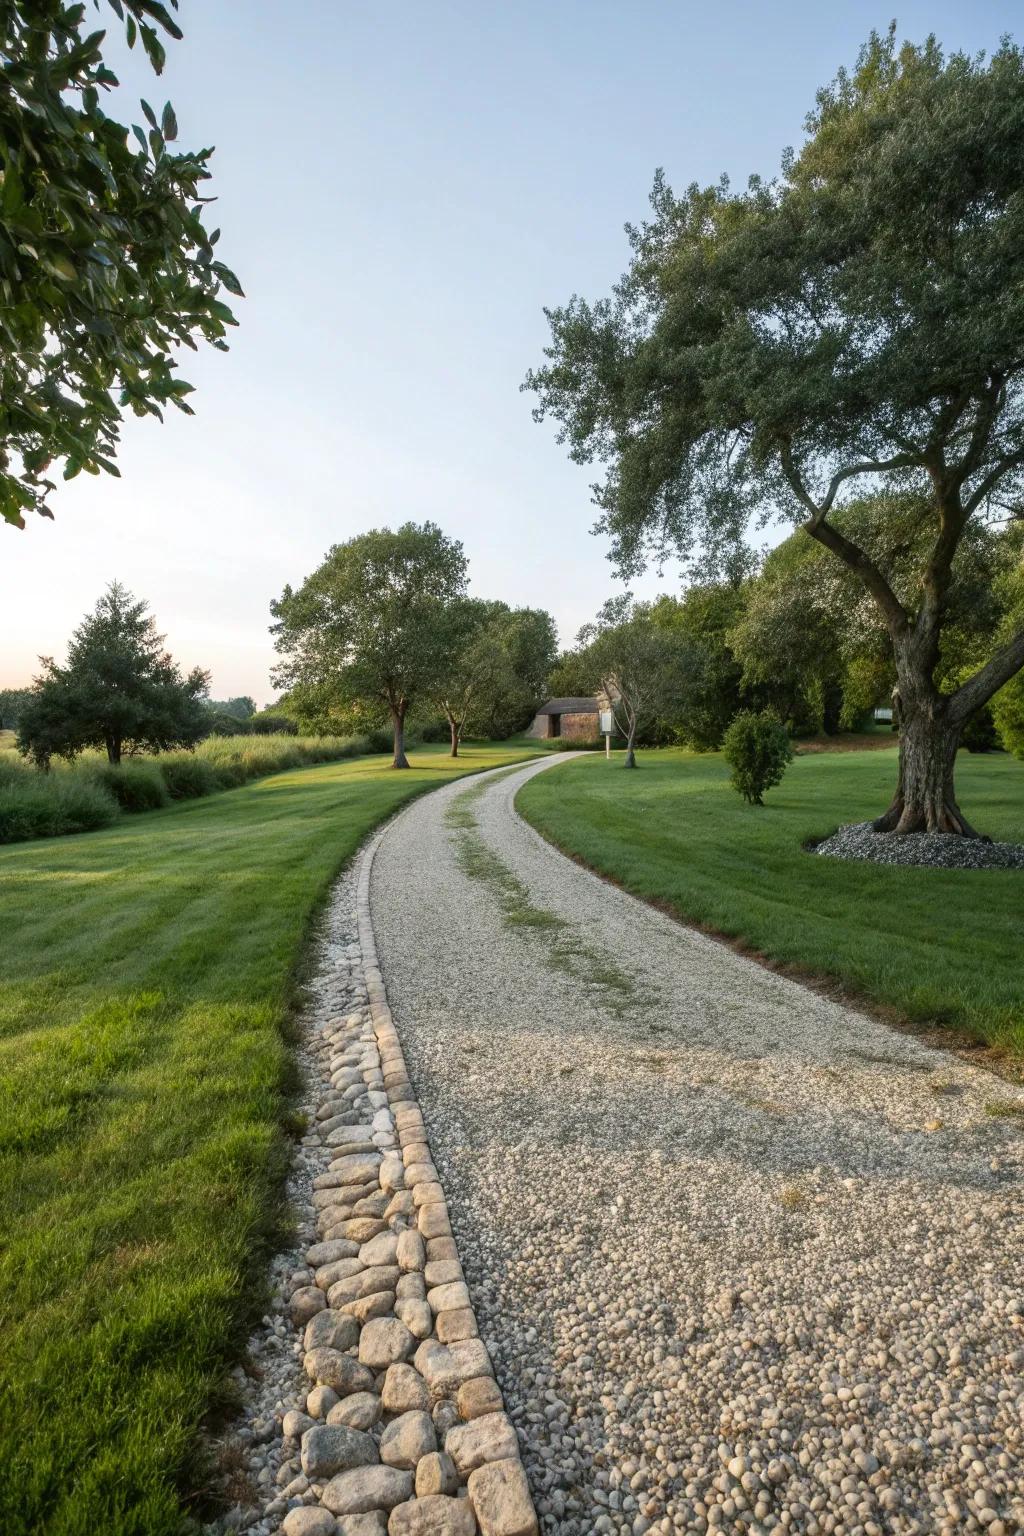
(382,633)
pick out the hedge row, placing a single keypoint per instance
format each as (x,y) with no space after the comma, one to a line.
(91,793)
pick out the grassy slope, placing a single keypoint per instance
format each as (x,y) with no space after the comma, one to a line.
(938,945)
(147,972)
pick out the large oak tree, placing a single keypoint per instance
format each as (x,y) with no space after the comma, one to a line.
(370,623)
(856,324)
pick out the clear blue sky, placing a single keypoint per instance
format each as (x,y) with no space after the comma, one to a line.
(402,187)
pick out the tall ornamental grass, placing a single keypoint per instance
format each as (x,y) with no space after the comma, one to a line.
(34,804)
(91,792)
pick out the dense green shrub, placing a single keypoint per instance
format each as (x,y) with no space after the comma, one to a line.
(273,725)
(136,784)
(429,729)
(221,724)
(1008,710)
(758,751)
(34,804)
(381,738)
(187,776)
(979,734)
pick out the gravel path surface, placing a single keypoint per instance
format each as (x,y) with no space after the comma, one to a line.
(745,1259)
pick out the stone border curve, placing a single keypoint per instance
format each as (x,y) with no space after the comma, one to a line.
(395,1336)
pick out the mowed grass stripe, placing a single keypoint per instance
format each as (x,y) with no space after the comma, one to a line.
(938,946)
(148,972)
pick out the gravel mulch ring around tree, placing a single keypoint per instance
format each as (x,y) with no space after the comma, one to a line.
(922,850)
(745,1260)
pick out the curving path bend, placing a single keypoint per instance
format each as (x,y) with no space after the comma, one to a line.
(747,1260)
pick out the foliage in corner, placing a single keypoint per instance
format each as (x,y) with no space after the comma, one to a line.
(106,268)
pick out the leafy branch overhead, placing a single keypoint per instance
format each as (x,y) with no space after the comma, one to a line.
(106,267)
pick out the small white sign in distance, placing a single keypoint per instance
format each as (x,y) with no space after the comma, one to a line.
(606,722)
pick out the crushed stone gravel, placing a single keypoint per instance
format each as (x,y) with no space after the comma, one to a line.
(745,1260)
(927,850)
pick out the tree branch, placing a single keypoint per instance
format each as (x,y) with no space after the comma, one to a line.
(851,554)
(991,480)
(862,467)
(1006,663)
(988,410)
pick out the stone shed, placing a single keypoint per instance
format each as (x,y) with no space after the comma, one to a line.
(575,719)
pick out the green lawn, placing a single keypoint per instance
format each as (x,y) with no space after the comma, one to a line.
(147,976)
(939,946)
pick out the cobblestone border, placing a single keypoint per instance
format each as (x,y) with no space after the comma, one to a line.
(403,1430)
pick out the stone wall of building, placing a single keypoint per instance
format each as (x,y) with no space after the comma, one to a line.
(579,727)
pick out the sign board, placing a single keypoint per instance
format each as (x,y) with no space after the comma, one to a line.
(606,722)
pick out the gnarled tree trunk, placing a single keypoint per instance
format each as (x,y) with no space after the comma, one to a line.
(453,726)
(398,719)
(925,799)
(930,725)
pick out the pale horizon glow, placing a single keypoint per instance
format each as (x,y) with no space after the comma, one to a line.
(401,190)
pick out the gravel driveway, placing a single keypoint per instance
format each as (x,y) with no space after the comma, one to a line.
(746,1259)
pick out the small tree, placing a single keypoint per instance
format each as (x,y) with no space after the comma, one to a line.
(106,267)
(636,664)
(758,751)
(710,677)
(852,323)
(370,624)
(119,690)
(474,662)
(529,642)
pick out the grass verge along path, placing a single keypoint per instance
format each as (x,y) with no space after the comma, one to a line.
(937,946)
(144,1074)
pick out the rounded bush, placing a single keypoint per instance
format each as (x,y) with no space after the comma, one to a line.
(381,739)
(135,785)
(187,777)
(49,804)
(1008,711)
(758,751)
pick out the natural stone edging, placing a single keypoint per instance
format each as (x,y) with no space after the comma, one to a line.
(403,1432)
(483,1448)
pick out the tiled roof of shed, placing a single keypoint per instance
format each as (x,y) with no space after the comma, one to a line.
(569,707)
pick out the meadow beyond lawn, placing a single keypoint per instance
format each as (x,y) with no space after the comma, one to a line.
(144,1073)
(938,946)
